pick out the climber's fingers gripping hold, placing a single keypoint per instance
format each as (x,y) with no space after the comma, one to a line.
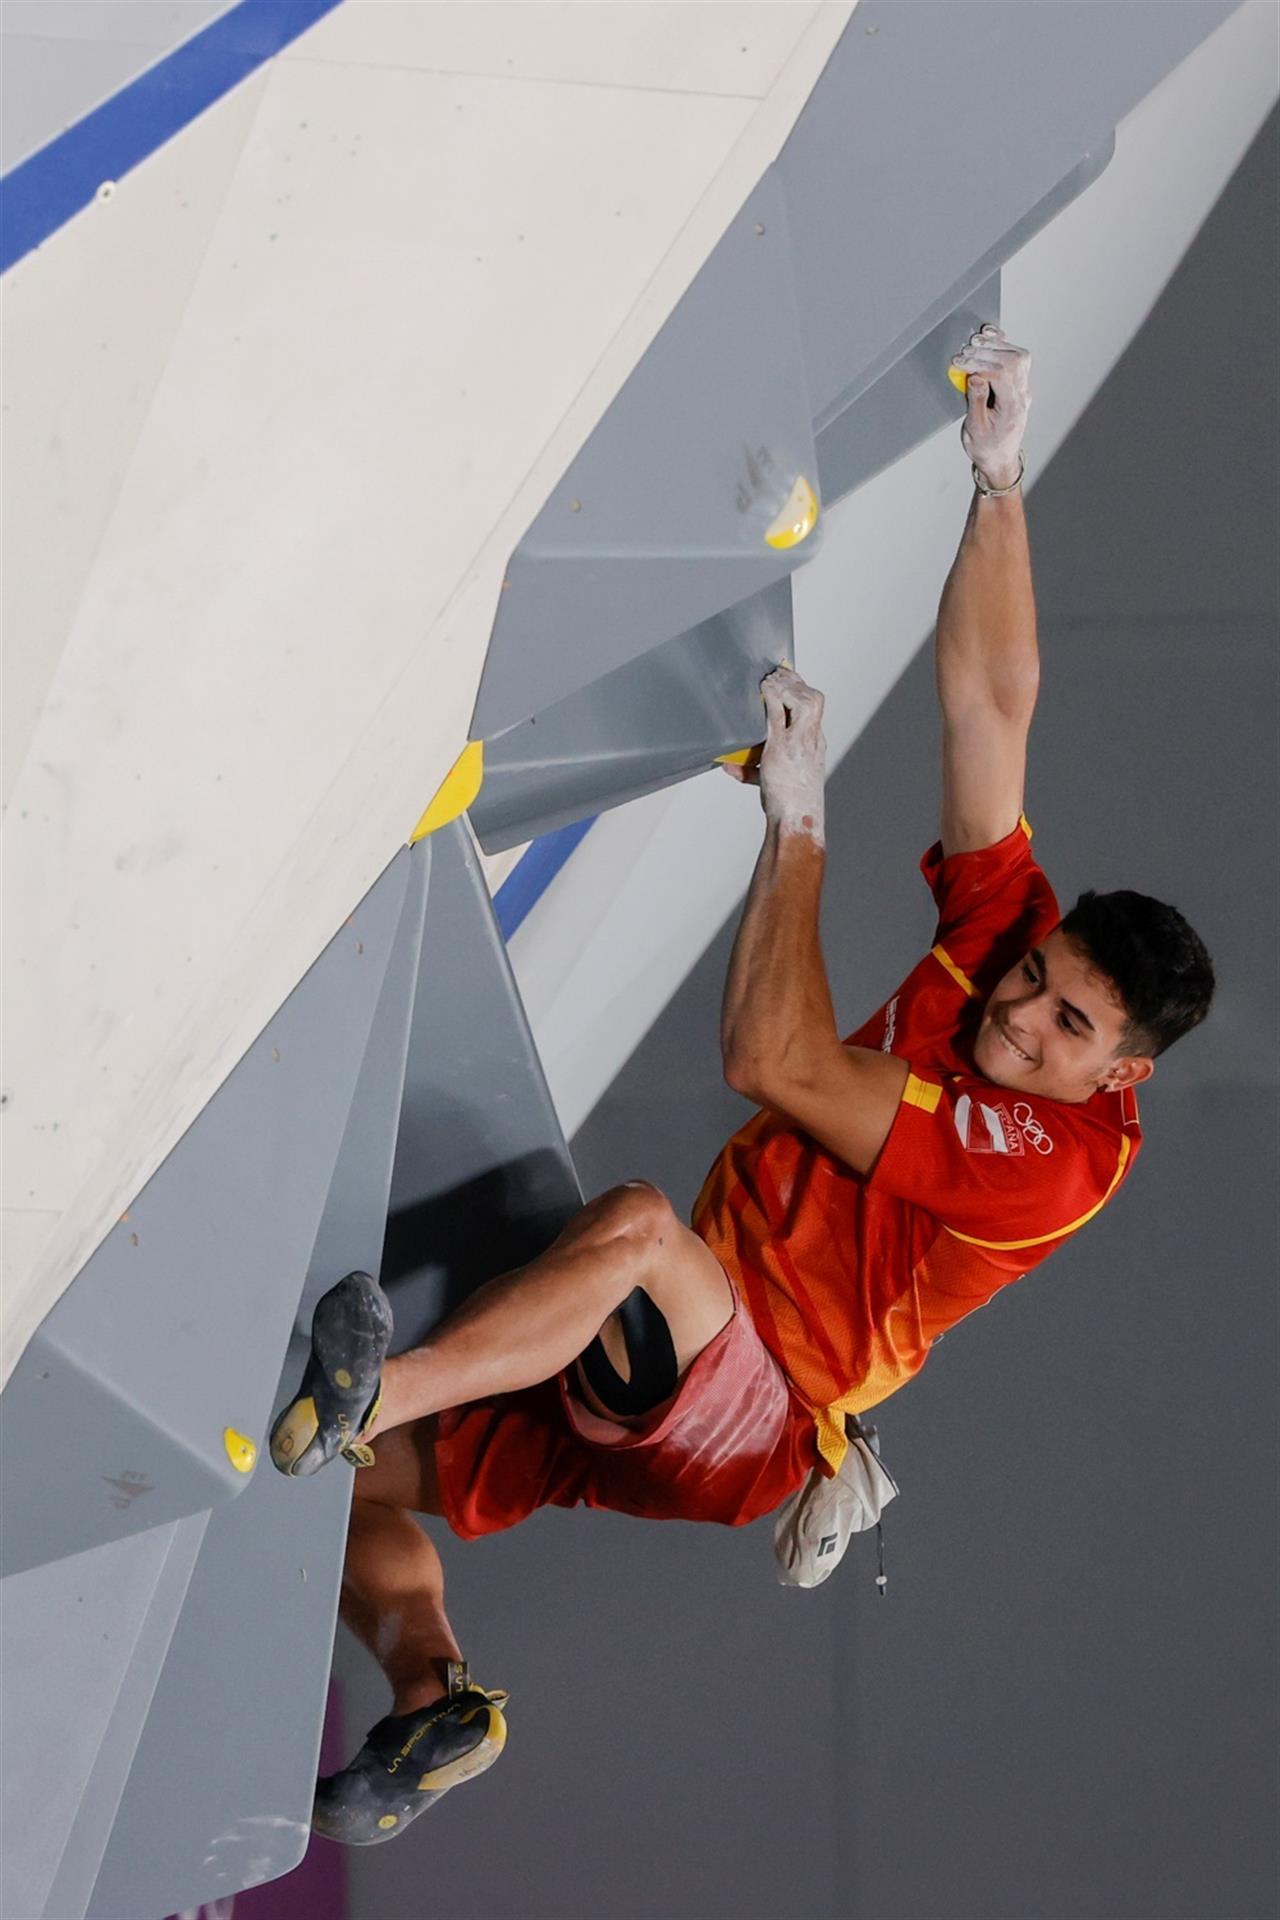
(748,771)
(999,397)
(793,763)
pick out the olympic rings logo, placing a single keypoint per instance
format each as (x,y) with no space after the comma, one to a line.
(1031,1129)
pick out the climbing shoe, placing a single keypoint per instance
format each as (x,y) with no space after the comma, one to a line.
(409,1760)
(341,1387)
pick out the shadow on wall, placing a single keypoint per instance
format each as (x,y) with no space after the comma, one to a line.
(440,1248)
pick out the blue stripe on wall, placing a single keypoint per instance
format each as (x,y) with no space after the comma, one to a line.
(43,191)
(522,889)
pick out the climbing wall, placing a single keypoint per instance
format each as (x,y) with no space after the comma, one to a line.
(394,1114)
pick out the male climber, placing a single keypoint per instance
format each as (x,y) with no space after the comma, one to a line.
(888,1185)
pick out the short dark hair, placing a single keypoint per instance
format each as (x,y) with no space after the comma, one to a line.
(1157,963)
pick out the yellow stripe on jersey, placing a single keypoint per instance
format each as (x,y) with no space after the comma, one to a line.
(833,1441)
(961,979)
(1013,1246)
(921,1093)
(1025,824)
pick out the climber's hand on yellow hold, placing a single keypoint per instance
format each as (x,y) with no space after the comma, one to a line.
(997,379)
(748,770)
(790,767)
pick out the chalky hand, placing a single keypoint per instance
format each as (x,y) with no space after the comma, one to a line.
(999,396)
(791,770)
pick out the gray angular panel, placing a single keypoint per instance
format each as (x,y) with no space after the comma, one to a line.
(95,1816)
(219,1794)
(887,232)
(355,1212)
(82,1642)
(249,1663)
(660,521)
(657,720)
(483,1179)
(970,291)
(173,1331)
(905,406)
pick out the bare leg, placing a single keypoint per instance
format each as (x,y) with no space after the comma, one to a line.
(526,1326)
(393,1582)
(393,1601)
(518,1329)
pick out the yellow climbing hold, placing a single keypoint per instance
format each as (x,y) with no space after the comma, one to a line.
(456,792)
(388,1820)
(738,759)
(959,379)
(797,520)
(241,1451)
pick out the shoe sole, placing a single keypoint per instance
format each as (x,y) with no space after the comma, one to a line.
(367,1829)
(349,1338)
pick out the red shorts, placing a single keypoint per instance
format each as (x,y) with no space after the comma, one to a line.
(730,1446)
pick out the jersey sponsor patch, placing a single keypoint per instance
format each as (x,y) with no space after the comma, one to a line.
(986,1129)
(890,1025)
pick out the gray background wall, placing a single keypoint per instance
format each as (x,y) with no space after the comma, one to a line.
(1066,1706)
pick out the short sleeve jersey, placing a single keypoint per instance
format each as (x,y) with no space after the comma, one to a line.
(850,1278)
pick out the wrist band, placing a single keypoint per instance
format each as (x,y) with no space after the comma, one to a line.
(998,493)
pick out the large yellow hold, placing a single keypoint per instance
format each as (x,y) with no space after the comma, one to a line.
(456,791)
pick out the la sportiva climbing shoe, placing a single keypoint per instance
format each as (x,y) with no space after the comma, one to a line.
(408,1761)
(341,1386)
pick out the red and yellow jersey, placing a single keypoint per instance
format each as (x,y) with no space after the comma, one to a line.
(850,1278)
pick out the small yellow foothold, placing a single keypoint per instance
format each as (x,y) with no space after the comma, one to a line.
(456,791)
(738,759)
(959,379)
(388,1820)
(241,1451)
(797,520)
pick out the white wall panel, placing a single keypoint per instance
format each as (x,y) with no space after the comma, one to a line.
(89,321)
(153,24)
(684,46)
